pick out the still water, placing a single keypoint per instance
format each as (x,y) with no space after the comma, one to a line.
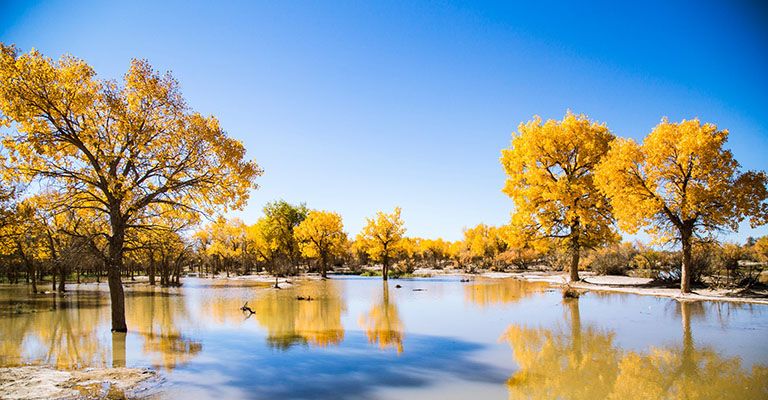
(431,338)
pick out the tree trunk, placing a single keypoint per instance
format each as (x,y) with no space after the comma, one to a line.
(322,267)
(685,273)
(151,271)
(385,267)
(575,262)
(62,276)
(30,269)
(575,250)
(117,297)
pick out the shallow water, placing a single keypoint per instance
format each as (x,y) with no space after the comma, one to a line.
(432,338)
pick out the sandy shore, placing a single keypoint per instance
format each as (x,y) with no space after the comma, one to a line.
(91,383)
(613,283)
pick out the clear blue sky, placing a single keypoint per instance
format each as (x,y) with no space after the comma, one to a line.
(358,107)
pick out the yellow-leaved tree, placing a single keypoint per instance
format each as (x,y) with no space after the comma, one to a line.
(321,236)
(381,238)
(132,151)
(550,176)
(681,183)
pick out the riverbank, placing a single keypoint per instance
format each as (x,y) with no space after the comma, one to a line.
(632,285)
(91,383)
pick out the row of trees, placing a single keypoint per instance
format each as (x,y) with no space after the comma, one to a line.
(575,182)
(114,174)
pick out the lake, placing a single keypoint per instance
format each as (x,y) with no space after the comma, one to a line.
(354,337)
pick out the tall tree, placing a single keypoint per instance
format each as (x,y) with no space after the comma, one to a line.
(127,151)
(681,183)
(321,235)
(550,169)
(381,238)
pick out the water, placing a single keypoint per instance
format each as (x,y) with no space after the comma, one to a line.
(431,338)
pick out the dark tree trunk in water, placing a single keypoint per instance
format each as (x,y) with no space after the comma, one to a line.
(116,294)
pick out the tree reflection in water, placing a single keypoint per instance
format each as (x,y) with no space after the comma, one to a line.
(62,338)
(382,323)
(584,363)
(485,293)
(290,321)
(159,315)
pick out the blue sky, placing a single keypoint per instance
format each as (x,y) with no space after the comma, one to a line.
(359,107)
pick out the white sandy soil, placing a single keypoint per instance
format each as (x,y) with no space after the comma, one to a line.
(48,383)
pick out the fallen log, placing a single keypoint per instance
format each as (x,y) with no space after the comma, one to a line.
(245,308)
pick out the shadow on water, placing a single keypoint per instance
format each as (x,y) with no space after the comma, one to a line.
(354,373)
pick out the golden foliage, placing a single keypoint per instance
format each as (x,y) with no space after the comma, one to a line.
(321,235)
(680,183)
(680,177)
(290,321)
(550,177)
(134,149)
(382,237)
(499,292)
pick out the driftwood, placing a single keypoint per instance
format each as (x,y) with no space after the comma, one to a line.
(245,308)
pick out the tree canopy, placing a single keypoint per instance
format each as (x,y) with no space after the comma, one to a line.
(681,182)
(381,237)
(133,152)
(321,235)
(550,177)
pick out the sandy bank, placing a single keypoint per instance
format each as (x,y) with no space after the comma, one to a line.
(611,283)
(90,383)
(633,285)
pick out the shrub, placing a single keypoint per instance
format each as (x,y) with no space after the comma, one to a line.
(615,259)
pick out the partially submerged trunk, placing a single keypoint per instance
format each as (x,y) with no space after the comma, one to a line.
(116,295)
